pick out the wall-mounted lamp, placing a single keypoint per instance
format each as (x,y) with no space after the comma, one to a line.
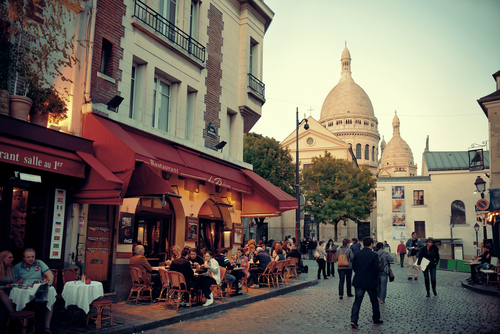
(114,103)
(220,146)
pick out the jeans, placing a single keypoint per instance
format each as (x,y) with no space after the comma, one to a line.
(382,286)
(345,274)
(360,293)
(411,268)
(321,267)
(230,278)
(433,273)
(310,251)
(253,276)
(330,269)
(402,259)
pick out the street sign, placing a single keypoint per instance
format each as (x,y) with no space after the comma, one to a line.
(482,204)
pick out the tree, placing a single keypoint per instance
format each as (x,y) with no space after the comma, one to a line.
(270,161)
(336,190)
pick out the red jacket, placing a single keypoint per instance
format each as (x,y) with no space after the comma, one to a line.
(401,248)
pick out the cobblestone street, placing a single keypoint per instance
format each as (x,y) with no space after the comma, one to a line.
(318,308)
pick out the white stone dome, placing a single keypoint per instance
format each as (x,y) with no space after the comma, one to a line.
(397,152)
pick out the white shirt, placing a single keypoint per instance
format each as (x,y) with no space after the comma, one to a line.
(214,270)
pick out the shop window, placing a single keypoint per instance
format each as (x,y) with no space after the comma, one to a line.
(458,212)
(420,229)
(418,197)
(358,151)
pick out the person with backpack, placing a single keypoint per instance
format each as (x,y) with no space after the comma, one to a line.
(344,267)
(320,255)
(384,260)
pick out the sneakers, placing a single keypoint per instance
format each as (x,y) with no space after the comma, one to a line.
(410,278)
(255,286)
(354,324)
(239,285)
(378,322)
(212,295)
(209,301)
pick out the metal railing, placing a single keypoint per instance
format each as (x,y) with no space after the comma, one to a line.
(167,29)
(256,85)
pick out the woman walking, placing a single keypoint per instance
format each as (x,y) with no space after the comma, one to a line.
(321,259)
(331,258)
(384,260)
(431,253)
(344,267)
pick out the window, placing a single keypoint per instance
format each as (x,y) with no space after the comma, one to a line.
(253,59)
(132,92)
(358,121)
(418,197)
(193,19)
(307,166)
(358,151)
(367,152)
(348,121)
(106,58)
(190,115)
(373,153)
(231,131)
(458,212)
(161,104)
(168,9)
(420,229)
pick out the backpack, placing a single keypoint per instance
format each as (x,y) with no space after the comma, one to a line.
(343,261)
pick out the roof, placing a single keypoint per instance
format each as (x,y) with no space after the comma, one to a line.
(488,98)
(404,179)
(437,161)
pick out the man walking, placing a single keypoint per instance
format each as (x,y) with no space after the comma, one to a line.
(366,270)
(413,246)
(402,252)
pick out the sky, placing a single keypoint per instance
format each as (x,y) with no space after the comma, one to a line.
(430,60)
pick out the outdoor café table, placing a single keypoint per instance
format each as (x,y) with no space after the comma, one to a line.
(472,264)
(82,294)
(22,295)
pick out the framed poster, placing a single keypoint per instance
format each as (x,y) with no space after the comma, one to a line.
(126,233)
(192,224)
(57,224)
(237,234)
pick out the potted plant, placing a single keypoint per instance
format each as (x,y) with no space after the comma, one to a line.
(48,105)
(40,47)
(5,60)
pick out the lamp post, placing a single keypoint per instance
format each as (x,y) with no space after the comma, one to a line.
(476,228)
(481,187)
(297,186)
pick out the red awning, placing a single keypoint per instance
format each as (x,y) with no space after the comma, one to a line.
(26,154)
(145,181)
(266,199)
(101,186)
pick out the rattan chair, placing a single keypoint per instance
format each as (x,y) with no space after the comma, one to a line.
(268,274)
(178,287)
(139,286)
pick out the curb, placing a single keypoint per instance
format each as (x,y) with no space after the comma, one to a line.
(481,291)
(127,329)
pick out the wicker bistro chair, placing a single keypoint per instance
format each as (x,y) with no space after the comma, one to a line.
(178,286)
(292,267)
(139,286)
(100,304)
(216,288)
(268,274)
(69,274)
(279,273)
(165,286)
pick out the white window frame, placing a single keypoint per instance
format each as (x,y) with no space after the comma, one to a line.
(157,119)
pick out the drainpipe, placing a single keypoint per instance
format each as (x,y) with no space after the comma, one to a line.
(90,46)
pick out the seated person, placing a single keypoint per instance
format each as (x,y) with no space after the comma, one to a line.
(485,258)
(224,262)
(195,258)
(296,254)
(242,261)
(263,259)
(139,261)
(213,268)
(279,254)
(30,271)
(182,265)
(6,278)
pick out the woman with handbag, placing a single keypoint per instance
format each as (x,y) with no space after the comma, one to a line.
(431,253)
(321,259)
(331,258)
(384,260)
(344,267)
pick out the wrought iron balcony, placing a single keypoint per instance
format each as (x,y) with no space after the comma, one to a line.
(167,29)
(256,85)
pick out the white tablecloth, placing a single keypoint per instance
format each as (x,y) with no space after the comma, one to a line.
(21,297)
(81,294)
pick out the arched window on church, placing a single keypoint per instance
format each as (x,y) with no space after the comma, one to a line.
(373,153)
(458,212)
(358,151)
(367,152)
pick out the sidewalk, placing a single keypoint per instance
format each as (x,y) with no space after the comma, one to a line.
(493,289)
(132,318)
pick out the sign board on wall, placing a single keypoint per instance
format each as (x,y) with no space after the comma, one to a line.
(57,224)
(126,233)
(398,213)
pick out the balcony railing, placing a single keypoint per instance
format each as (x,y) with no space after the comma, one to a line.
(167,29)
(256,85)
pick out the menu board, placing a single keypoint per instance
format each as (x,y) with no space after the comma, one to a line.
(125,235)
(57,224)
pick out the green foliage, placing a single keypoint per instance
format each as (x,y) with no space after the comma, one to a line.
(336,190)
(47,101)
(271,161)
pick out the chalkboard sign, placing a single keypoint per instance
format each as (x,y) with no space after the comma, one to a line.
(126,232)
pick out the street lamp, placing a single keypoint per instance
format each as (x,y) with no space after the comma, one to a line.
(480,185)
(476,228)
(297,186)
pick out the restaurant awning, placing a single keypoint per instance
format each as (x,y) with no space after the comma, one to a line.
(145,181)
(266,200)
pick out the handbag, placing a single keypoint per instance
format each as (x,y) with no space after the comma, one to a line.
(316,254)
(391,275)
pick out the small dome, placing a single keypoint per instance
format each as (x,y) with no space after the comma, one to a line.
(383,143)
(346,53)
(395,120)
(397,152)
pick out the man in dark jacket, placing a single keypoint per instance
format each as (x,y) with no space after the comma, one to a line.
(310,248)
(225,263)
(183,266)
(295,253)
(366,269)
(263,259)
(356,246)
